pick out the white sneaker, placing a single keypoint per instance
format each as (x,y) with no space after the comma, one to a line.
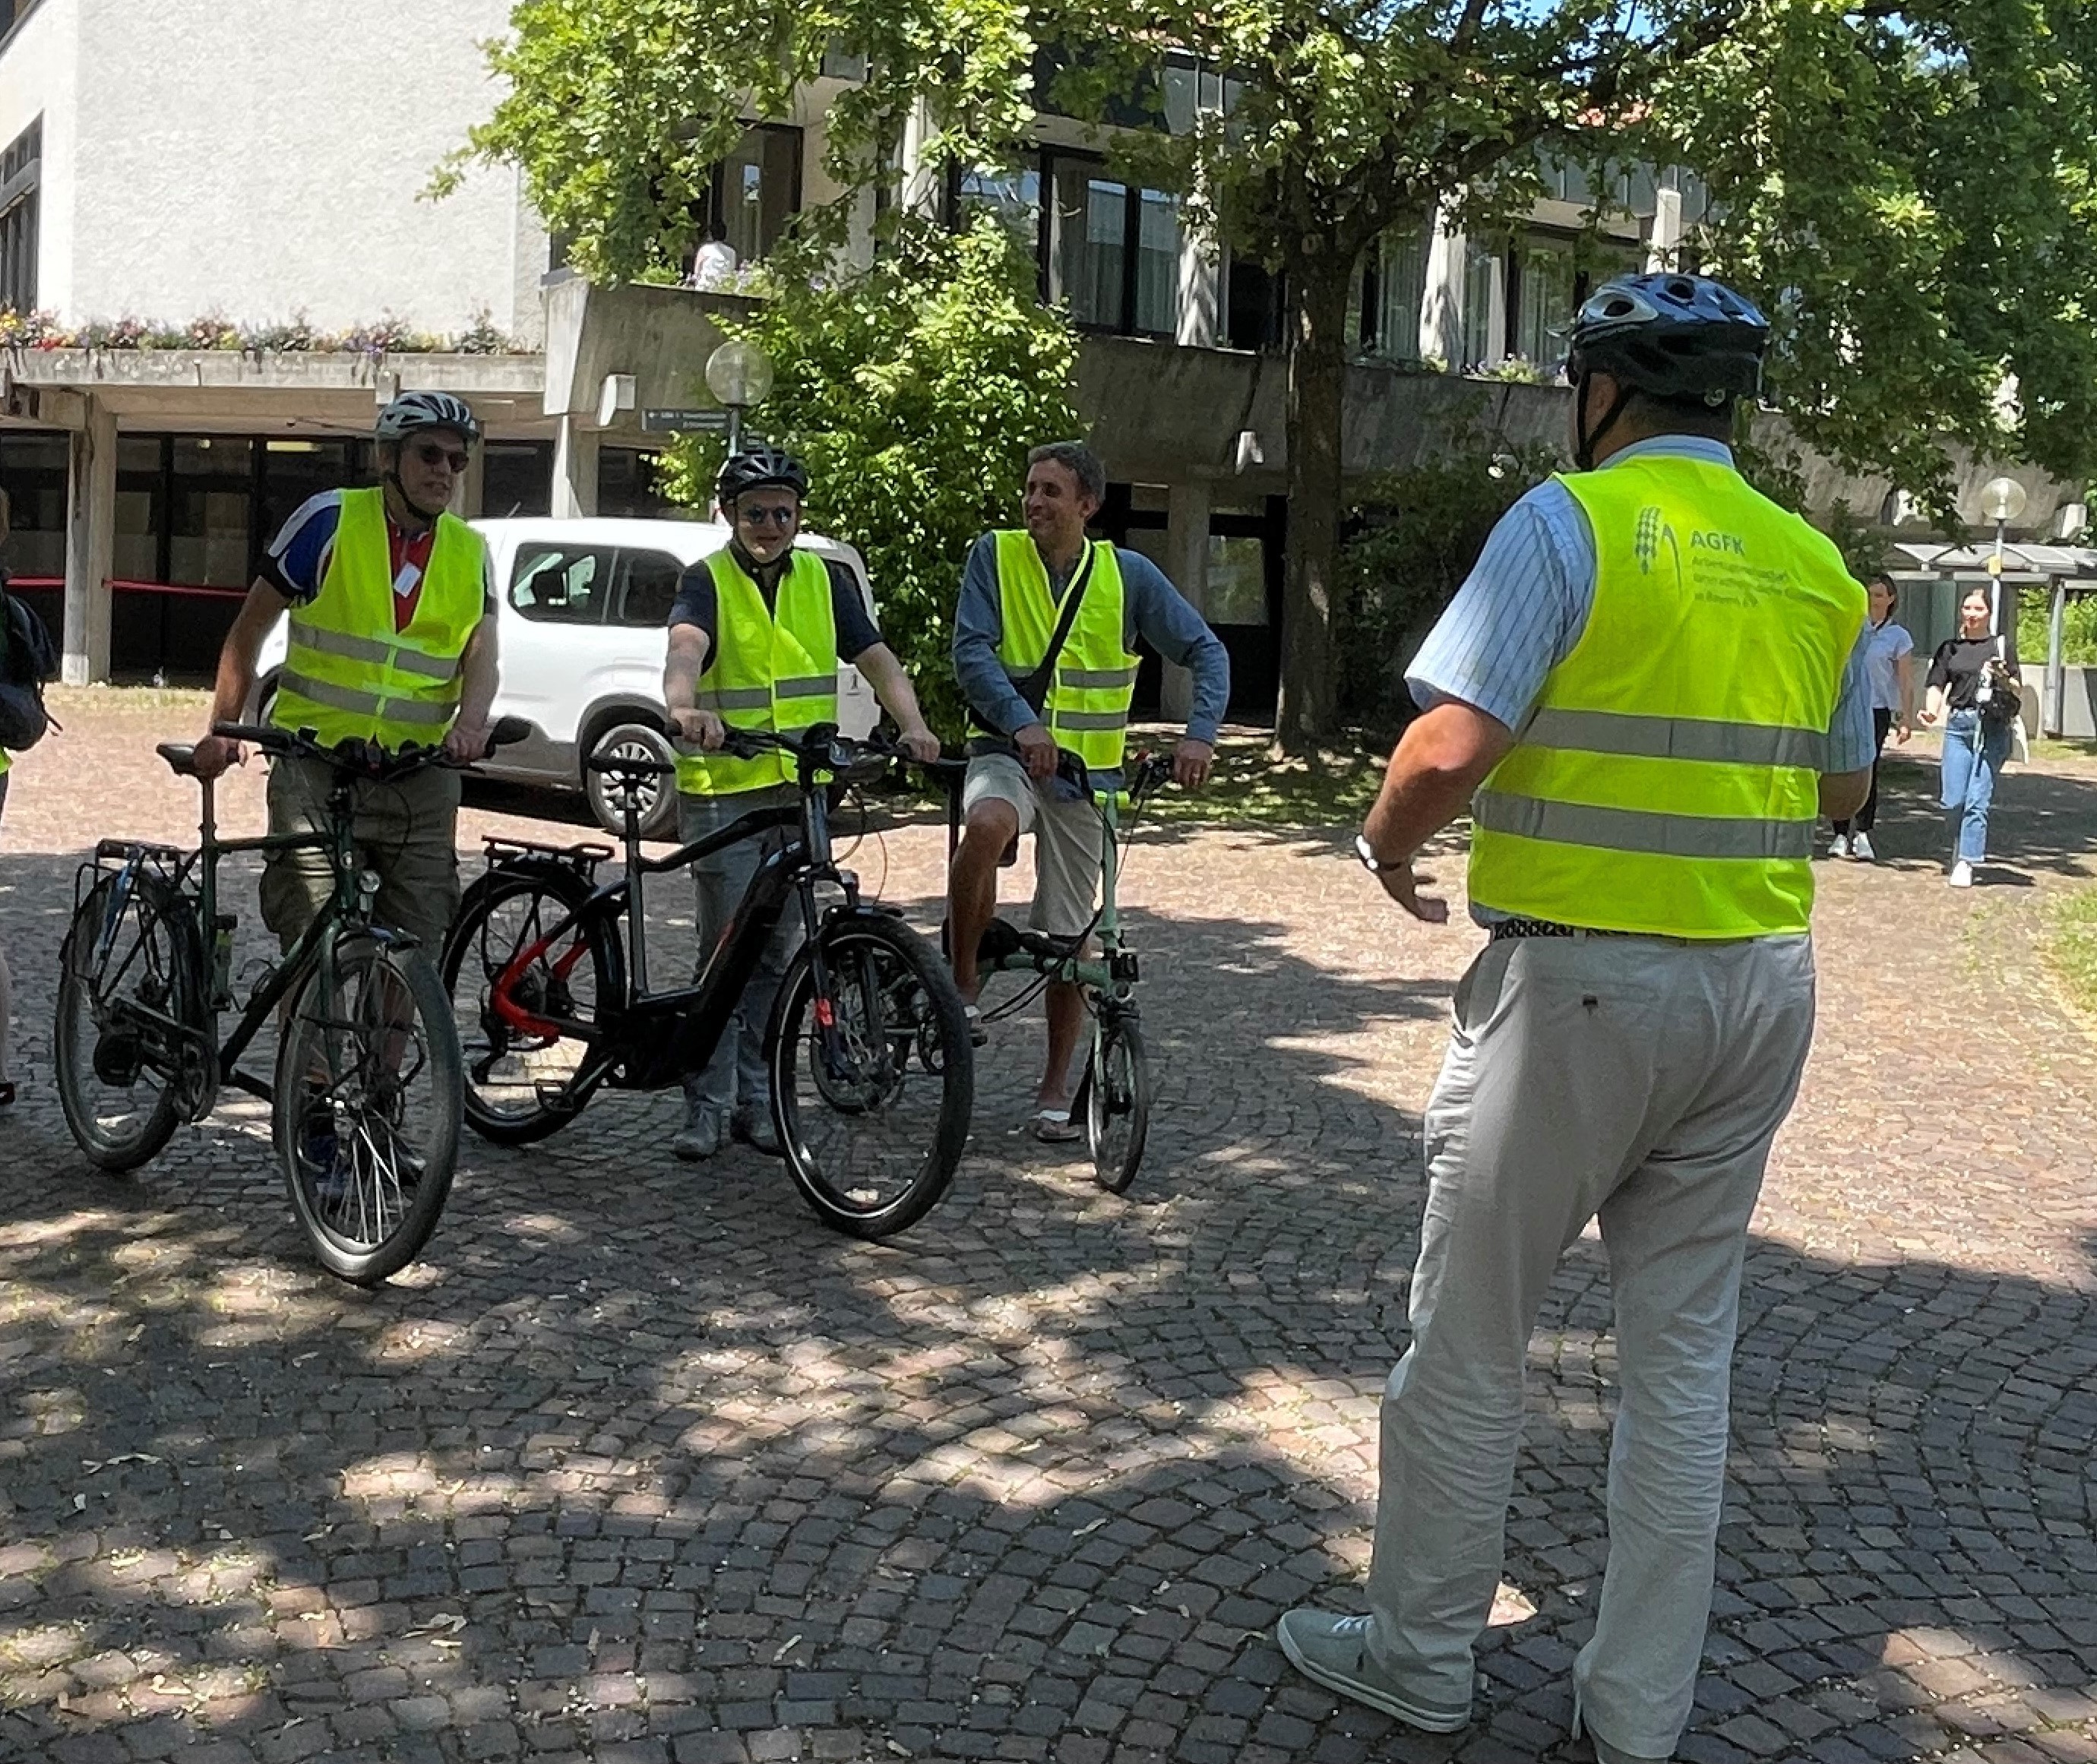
(1839,846)
(1860,848)
(1962,874)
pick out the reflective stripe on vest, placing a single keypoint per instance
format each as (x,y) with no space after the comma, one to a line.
(348,674)
(1086,708)
(771,669)
(1667,781)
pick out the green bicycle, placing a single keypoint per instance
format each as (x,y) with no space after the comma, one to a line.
(1113,1095)
(366,1100)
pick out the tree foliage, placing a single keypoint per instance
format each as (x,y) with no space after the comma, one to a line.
(912,390)
(1907,187)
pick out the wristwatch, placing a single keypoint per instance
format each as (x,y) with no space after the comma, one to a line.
(1366,853)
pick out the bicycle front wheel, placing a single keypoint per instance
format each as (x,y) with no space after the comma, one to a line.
(367,1106)
(129,1036)
(873,1076)
(1114,1098)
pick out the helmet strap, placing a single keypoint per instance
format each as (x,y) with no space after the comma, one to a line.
(428,517)
(1585,438)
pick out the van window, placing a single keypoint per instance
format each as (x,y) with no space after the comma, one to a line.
(647,586)
(562,585)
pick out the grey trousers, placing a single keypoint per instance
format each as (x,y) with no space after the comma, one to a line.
(1638,1078)
(735,1079)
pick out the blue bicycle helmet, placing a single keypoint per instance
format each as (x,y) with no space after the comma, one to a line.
(1671,336)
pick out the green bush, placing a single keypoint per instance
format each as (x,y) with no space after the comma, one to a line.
(1412,538)
(913,390)
(2078,636)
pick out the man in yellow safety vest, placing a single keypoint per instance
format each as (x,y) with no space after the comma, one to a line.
(389,595)
(1647,690)
(1016,589)
(756,634)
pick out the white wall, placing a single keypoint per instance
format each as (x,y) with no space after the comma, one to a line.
(38,73)
(259,159)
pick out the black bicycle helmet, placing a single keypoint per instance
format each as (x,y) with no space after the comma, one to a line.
(1670,336)
(755,468)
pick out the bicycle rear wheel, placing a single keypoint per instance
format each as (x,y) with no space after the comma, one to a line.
(873,1076)
(520,1070)
(129,1030)
(1114,1098)
(367,1106)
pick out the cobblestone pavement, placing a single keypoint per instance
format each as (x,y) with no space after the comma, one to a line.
(641,1464)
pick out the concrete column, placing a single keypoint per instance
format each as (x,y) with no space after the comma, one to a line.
(1442,294)
(1665,238)
(468,499)
(918,172)
(1187,548)
(1201,290)
(575,470)
(90,545)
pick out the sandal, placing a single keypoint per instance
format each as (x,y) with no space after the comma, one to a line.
(978,1034)
(6,1096)
(1054,1127)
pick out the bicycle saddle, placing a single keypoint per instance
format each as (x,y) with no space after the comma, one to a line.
(180,757)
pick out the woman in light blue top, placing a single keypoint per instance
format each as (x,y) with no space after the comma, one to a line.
(1890,661)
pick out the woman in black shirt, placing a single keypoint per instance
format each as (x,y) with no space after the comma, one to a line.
(1975,703)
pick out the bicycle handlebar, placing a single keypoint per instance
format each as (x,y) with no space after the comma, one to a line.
(367,757)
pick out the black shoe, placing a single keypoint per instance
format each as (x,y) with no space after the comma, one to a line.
(757,1131)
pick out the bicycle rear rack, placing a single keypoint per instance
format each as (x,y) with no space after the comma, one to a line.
(582,859)
(113,856)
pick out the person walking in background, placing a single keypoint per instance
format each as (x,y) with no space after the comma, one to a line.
(1889,659)
(714,265)
(1974,694)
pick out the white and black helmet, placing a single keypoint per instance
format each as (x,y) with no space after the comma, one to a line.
(426,410)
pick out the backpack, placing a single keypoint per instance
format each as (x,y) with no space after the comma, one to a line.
(27,658)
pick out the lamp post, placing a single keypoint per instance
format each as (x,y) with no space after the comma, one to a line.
(739,375)
(2002,501)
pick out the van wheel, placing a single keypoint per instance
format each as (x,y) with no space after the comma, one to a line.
(658,800)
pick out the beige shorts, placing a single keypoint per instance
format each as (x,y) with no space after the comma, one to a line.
(405,832)
(1067,841)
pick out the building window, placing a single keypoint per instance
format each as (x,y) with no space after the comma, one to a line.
(1394,282)
(1484,344)
(757,191)
(517,479)
(21,166)
(1012,196)
(1114,250)
(1546,278)
(1255,304)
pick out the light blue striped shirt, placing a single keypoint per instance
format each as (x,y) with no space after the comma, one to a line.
(1526,601)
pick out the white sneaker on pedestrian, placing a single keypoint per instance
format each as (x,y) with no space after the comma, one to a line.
(1962,874)
(1860,848)
(1839,846)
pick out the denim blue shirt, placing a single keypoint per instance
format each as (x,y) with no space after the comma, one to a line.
(1153,609)
(1526,601)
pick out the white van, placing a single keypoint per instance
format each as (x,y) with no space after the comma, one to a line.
(582,606)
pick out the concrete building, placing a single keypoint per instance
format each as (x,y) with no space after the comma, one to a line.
(260,169)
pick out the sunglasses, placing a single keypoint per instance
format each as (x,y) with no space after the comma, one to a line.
(431,454)
(784,515)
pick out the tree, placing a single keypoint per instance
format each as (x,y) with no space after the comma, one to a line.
(912,390)
(1910,191)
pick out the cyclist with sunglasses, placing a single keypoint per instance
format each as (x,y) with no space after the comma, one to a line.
(756,634)
(392,642)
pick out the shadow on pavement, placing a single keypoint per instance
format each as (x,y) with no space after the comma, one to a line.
(643,1465)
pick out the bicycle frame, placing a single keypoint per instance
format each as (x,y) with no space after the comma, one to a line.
(630,1050)
(195,876)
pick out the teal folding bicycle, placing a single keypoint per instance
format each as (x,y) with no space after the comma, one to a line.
(1113,1095)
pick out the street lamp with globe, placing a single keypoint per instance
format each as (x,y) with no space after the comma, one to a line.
(739,375)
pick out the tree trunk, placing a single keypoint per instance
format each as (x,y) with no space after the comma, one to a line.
(1307,708)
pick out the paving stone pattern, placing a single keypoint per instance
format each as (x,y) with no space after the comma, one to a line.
(643,1465)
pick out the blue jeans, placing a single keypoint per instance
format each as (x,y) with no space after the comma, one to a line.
(1972,758)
